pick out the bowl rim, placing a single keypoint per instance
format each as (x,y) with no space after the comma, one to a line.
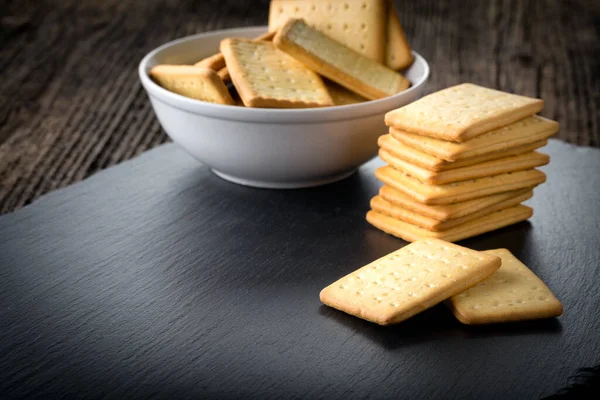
(223,111)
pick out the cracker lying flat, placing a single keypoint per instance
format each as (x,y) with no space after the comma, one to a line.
(197,83)
(408,281)
(488,223)
(458,191)
(216,62)
(398,54)
(446,212)
(488,168)
(337,62)
(462,112)
(355,23)
(267,77)
(513,293)
(424,160)
(520,133)
(383,206)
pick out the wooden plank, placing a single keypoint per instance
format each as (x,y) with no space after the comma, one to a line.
(71,104)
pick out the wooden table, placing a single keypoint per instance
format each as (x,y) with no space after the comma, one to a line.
(71,104)
(157,279)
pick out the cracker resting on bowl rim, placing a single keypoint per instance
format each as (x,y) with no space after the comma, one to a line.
(337,62)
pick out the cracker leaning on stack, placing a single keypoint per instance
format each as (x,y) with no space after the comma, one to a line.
(358,45)
(460,162)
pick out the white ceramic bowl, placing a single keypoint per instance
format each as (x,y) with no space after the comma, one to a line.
(270,148)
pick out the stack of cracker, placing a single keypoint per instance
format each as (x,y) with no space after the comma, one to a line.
(460,162)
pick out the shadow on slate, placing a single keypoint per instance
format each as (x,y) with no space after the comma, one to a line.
(436,323)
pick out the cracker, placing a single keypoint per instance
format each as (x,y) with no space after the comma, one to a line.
(480,170)
(520,133)
(408,281)
(398,54)
(337,62)
(383,206)
(445,212)
(488,223)
(216,62)
(267,77)
(458,191)
(193,82)
(462,112)
(224,74)
(424,160)
(355,23)
(342,96)
(513,293)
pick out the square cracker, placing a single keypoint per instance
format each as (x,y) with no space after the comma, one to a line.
(383,206)
(398,54)
(432,163)
(358,24)
(489,168)
(520,133)
(513,293)
(193,82)
(337,62)
(488,223)
(458,191)
(447,212)
(408,281)
(267,77)
(462,112)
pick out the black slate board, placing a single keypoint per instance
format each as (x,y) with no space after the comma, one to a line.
(158,279)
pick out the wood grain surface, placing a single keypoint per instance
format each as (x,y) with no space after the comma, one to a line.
(71,103)
(156,279)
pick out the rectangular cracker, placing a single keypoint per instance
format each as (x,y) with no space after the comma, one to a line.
(458,191)
(408,281)
(462,112)
(424,160)
(267,77)
(224,74)
(512,293)
(398,54)
(337,62)
(488,223)
(342,96)
(193,82)
(445,212)
(489,168)
(358,24)
(216,62)
(383,206)
(520,133)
